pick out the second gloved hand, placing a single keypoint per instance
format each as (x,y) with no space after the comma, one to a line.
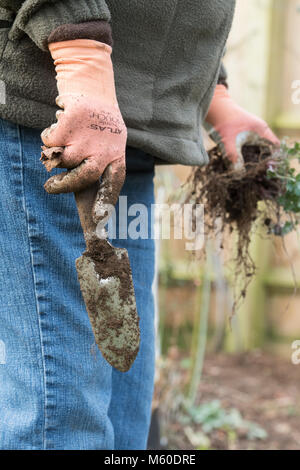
(232,125)
(90,127)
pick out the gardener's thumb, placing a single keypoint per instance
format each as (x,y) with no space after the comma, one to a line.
(110,187)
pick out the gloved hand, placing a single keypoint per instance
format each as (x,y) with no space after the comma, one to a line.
(90,128)
(232,125)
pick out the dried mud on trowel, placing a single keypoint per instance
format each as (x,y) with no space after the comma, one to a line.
(106,283)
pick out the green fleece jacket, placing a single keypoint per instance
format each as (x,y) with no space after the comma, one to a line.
(166,55)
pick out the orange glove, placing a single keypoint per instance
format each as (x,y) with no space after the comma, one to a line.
(232,125)
(90,128)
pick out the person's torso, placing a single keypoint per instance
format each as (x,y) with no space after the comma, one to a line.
(166,58)
(167,52)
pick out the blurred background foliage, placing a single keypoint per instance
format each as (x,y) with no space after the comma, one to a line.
(194,298)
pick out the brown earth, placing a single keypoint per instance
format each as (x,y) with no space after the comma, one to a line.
(230,197)
(263,387)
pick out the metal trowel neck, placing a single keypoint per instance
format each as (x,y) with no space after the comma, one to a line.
(85,201)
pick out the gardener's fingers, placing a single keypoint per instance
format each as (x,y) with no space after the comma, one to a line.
(108,194)
(55,135)
(75,180)
(228,142)
(231,151)
(269,135)
(73,155)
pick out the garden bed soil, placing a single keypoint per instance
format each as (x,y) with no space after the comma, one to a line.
(265,390)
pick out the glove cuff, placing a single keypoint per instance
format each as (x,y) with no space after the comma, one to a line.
(96,30)
(220,107)
(84,67)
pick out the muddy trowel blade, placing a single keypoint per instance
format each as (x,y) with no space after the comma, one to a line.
(105,280)
(106,284)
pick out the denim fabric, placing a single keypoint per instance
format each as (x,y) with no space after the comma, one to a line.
(56,390)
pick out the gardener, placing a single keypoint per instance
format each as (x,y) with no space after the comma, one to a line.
(57,391)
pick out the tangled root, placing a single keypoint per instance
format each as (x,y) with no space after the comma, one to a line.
(231,198)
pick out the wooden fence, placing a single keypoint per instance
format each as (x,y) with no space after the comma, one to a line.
(263,63)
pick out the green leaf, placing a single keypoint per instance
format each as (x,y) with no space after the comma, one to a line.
(256,432)
(287,228)
(271,174)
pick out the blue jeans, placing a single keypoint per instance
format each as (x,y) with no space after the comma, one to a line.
(56,390)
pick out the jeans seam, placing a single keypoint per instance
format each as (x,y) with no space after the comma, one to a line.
(34,284)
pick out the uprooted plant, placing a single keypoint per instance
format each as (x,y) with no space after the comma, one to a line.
(266,191)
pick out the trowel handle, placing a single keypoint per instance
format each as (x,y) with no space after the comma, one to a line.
(85,201)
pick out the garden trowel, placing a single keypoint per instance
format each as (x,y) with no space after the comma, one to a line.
(105,281)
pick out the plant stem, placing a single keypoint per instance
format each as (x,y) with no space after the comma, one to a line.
(200,330)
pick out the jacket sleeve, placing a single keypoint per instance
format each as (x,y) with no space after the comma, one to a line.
(38,18)
(222,80)
(97,30)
